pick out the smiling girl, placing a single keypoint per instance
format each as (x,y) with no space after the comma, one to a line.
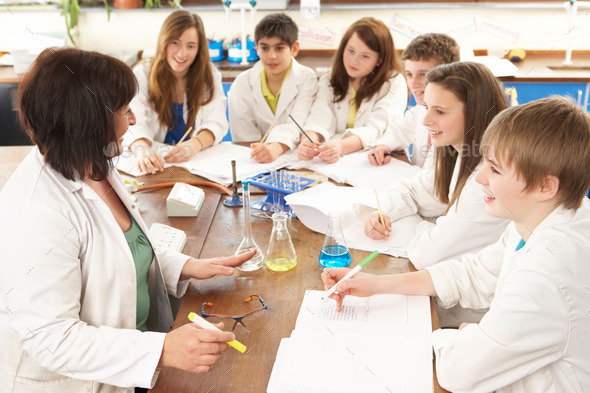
(178,89)
(460,100)
(363,94)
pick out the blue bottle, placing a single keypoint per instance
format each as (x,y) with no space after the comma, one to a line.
(334,251)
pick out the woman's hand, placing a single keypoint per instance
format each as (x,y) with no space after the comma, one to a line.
(147,159)
(221,266)
(377,155)
(307,150)
(264,153)
(193,349)
(374,229)
(184,151)
(361,284)
(331,152)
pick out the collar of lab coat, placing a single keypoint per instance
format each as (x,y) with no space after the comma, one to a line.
(88,193)
(288,91)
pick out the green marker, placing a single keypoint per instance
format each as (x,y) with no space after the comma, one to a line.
(351,273)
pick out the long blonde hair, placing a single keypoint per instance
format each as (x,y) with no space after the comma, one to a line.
(199,84)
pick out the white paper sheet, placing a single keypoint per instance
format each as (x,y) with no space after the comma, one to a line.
(356,170)
(213,163)
(380,344)
(312,206)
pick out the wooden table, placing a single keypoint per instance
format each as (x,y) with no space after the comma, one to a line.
(218,231)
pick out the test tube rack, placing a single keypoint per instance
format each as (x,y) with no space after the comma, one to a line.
(278,185)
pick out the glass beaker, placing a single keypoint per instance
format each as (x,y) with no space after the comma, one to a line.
(334,250)
(248,242)
(280,255)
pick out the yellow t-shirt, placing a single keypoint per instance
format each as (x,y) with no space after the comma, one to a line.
(271,100)
(352,109)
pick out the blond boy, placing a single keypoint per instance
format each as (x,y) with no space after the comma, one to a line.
(535,279)
(421,55)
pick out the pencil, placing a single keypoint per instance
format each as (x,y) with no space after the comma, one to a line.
(268,131)
(379,209)
(185,135)
(304,133)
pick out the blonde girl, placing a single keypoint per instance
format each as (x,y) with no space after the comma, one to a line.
(364,93)
(178,89)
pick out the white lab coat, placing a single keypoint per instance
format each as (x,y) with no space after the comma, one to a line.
(249,113)
(535,337)
(406,131)
(329,118)
(466,228)
(211,116)
(67,279)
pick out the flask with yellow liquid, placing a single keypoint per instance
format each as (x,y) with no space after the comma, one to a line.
(280,255)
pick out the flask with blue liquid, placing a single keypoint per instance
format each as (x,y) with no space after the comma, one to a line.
(334,251)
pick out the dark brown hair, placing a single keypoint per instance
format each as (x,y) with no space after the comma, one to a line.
(482,96)
(550,136)
(277,25)
(67,104)
(200,87)
(376,35)
(436,47)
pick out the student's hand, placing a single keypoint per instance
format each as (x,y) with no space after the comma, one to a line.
(331,152)
(361,284)
(147,159)
(307,150)
(211,267)
(373,227)
(264,153)
(191,348)
(377,155)
(184,151)
(461,326)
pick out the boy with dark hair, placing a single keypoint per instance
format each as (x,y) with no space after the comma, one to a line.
(421,55)
(276,87)
(535,279)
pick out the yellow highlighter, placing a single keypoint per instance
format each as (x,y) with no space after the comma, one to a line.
(195,318)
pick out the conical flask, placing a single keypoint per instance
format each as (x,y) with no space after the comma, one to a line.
(334,251)
(280,255)
(248,243)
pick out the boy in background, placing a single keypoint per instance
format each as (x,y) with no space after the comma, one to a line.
(276,87)
(421,55)
(535,279)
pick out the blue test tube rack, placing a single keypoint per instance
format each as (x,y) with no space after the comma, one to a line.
(277,188)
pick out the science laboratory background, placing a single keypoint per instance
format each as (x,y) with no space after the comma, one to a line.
(554,36)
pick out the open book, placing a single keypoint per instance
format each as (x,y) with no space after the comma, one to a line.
(377,344)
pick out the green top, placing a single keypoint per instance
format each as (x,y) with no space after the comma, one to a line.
(143,254)
(271,100)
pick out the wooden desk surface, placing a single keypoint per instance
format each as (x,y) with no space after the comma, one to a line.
(218,231)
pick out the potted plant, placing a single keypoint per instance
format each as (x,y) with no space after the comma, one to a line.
(71,10)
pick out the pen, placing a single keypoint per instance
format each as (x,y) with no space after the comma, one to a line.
(395,153)
(391,154)
(304,133)
(195,318)
(351,273)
